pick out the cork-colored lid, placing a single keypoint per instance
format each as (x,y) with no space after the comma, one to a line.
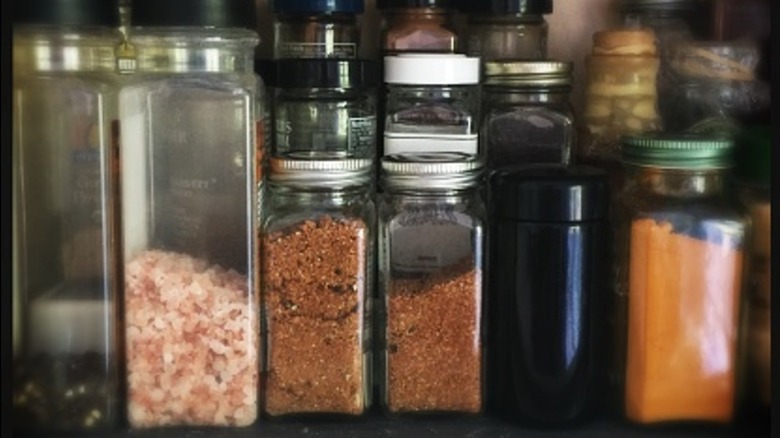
(625,42)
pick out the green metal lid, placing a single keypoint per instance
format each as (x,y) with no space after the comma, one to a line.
(678,151)
(753,155)
(528,73)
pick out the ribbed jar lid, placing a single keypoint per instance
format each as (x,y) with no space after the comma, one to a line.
(296,170)
(498,7)
(318,6)
(431,172)
(66,12)
(403,4)
(678,151)
(528,73)
(195,13)
(432,69)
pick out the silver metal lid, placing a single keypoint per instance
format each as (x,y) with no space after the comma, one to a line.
(431,171)
(295,170)
(528,73)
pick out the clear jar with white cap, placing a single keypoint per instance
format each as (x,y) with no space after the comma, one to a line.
(317,261)
(432,225)
(432,103)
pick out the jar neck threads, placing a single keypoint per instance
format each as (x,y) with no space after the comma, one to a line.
(194,50)
(65,49)
(677,182)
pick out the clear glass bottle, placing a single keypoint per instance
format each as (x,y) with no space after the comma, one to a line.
(191,130)
(753,182)
(680,240)
(507,29)
(432,229)
(326,108)
(432,103)
(316,28)
(67,350)
(317,264)
(527,115)
(621,96)
(418,26)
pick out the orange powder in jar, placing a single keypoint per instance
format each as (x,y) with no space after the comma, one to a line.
(683,313)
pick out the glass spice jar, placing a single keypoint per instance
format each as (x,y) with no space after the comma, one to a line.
(67,353)
(753,182)
(191,143)
(431,266)
(506,29)
(549,290)
(621,96)
(680,242)
(418,26)
(317,263)
(326,107)
(316,28)
(432,103)
(527,116)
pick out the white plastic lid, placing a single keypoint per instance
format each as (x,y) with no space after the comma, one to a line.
(431,69)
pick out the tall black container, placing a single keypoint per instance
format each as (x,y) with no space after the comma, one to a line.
(549,292)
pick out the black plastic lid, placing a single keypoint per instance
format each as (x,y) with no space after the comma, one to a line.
(196,13)
(318,6)
(67,12)
(326,73)
(531,7)
(550,193)
(402,4)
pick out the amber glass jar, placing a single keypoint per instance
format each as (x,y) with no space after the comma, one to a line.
(418,26)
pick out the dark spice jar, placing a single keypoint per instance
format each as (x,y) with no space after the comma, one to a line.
(326,107)
(418,26)
(316,28)
(431,264)
(549,286)
(317,264)
(67,348)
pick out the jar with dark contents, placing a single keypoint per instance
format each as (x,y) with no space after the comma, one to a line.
(67,346)
(316,28)
(326,107)
(681,241)
(432,103)
(527,116)
(432,230)
(317,263)
(753,183)
(716,87)
(418,26)
(506,29)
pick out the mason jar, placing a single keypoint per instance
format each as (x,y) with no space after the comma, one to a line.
(507,29)
(527,115)
(432,103)
(418,26)
(66,341)
(326,107)
(317,263)
(753,183)
(681,242)
(316,28)
(191,130)
(432,230)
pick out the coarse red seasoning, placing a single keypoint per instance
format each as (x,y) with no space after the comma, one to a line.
(192,343)
(314,279)
(434,357)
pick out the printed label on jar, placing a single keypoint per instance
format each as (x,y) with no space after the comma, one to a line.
(396,143)
(318,50)
(426,240)
(362,136)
